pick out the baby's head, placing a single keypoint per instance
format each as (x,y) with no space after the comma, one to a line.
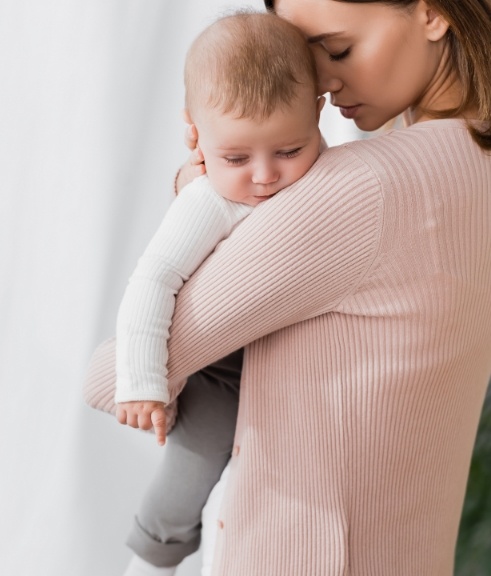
(251,91)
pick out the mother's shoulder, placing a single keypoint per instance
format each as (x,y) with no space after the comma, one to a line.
(434,133)
(435,142)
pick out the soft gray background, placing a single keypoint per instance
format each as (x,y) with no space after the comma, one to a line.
(90,138)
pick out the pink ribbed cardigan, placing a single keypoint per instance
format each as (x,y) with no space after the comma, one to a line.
(363,297)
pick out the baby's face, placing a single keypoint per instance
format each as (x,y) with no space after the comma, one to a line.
(249,161)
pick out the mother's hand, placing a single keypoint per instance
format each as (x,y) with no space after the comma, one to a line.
(194,166)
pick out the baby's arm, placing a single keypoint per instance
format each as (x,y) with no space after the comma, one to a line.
(196,221)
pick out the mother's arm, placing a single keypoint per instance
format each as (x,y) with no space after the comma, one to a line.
(295,257)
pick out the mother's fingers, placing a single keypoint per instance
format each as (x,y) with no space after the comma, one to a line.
(188,173)
(197,156)
(191,137)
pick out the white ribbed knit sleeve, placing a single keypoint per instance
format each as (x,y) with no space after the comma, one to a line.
(196,221)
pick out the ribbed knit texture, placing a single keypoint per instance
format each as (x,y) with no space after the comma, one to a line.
(197,220)
(363,295)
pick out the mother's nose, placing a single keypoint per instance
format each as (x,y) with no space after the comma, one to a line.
(329,83)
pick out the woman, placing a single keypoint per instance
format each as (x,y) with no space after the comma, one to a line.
(367,318)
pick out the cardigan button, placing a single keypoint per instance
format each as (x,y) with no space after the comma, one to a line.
(236,450)
(220,524)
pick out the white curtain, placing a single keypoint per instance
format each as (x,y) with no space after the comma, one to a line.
(90,138)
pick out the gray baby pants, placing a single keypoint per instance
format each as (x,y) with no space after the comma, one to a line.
(168,525)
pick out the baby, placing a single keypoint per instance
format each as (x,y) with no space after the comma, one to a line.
(251,92)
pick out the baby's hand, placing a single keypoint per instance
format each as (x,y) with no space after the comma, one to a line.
(144,415)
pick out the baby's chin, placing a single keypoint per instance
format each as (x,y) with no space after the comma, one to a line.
(251,200)
(263,199)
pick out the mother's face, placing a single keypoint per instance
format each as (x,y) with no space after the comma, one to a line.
(375,60)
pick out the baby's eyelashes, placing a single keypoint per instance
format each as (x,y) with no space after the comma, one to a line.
(235,161)
(289,153)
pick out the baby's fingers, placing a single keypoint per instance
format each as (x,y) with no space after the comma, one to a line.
(159,422)
(144,421)
(121,415)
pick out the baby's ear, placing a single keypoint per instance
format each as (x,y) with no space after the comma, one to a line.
(320,105)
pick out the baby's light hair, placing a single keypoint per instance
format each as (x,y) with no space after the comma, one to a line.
(249,64)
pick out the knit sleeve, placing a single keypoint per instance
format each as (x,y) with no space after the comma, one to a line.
(195,222)
(297,256)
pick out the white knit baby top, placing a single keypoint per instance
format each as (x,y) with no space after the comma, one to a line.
(197,220)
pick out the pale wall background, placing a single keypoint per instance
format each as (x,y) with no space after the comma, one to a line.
(90,138)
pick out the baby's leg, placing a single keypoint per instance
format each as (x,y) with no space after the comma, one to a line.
(168,525)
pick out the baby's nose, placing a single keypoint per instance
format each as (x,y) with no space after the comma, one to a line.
(265,174)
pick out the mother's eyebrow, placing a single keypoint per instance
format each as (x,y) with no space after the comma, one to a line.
(320,37)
